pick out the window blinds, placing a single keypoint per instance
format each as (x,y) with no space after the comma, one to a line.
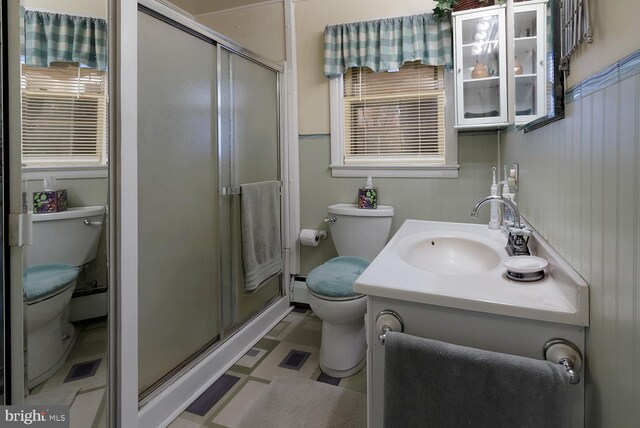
(64,116)
(394,118)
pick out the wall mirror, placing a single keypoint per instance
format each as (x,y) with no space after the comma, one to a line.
(64,145)
(554,76)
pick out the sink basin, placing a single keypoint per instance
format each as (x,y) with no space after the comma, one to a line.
(449,253)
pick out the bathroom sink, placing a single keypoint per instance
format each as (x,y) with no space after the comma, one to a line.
(449,253)
(459,265)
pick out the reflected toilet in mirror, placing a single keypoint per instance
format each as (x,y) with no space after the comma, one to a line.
(63,243)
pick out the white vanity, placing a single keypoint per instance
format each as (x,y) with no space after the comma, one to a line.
(447,282)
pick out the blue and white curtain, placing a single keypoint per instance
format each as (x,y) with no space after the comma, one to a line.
(386,44)
(51,37)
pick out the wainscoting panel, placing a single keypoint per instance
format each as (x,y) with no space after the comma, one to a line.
(580,188)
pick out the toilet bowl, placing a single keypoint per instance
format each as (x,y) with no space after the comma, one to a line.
(48,290)
(63,243)
(359,235)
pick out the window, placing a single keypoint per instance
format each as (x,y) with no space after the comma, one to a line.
(391,123)
(64,116)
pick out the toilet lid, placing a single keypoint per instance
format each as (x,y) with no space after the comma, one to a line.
(335,278)
(45,280)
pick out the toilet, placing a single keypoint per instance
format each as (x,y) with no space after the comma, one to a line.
(358,235)
(63,242)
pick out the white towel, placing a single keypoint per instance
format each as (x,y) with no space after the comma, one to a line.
(261,243)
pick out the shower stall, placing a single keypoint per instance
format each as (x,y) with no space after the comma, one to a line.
(209,123)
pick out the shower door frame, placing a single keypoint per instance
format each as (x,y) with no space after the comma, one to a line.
(169,401)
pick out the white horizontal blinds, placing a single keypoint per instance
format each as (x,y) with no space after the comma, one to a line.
(64,116)
(394,118)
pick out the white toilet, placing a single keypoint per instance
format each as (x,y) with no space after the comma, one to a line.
(62,243)
(359,235)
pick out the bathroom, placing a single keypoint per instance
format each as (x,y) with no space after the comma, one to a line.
(577,187)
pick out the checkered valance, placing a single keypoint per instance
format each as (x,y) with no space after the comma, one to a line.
(386,44)
(50,37)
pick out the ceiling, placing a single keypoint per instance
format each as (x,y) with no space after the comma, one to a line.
(199,7)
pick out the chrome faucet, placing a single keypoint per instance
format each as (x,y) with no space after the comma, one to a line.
(518,235)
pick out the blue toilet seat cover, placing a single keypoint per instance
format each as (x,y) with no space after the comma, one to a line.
(335,278)
(44,280)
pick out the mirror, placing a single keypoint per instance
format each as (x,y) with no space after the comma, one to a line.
(555,76)
(65,178)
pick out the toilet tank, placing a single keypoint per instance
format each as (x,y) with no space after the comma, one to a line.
(69,237)
(360,232)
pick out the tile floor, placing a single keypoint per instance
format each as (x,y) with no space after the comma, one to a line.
(85,371)
(290,349)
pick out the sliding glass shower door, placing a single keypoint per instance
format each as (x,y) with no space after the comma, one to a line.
(179,292)
(208,127)
(248,153)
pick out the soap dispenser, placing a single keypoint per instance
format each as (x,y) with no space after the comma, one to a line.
(494,221)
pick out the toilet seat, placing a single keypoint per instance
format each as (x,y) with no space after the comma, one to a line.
(334,279)
(47,280)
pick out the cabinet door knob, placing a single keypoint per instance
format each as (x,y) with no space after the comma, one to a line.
(541,62)
(459,70)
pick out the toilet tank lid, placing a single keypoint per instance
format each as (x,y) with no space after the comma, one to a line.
(71,213)
(352,209)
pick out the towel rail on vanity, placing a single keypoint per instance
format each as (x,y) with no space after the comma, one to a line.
(557,350)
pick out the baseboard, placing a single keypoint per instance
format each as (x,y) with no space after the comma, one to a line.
(88,306)
(299,290)
(167,405)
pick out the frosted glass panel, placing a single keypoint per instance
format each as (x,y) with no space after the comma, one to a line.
(249,153)
(179,295)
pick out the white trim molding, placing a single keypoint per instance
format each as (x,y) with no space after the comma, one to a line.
(449,169)
(64,173)
(244,7)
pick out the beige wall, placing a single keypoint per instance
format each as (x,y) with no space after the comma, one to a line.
(616,34)
(260,28)
(95,8)
(311,18)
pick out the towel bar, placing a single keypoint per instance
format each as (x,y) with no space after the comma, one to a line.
(563,352)
(386,321)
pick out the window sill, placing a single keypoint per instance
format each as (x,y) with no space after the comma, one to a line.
(431,171)
(64,172)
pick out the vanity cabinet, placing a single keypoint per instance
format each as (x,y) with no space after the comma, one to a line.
(498,333)
(489,63)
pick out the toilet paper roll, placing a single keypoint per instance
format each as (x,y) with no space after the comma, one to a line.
(311,237)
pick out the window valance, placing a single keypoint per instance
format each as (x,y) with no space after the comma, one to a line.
(51,37)
(386,44)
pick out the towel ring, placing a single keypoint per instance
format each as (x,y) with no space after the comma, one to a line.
(386,321)
(561,351)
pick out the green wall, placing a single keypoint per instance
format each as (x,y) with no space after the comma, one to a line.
(444,199)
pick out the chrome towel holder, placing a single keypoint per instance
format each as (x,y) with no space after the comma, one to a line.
(386,321)
(561,351)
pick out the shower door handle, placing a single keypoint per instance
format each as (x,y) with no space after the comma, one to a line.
(230,190)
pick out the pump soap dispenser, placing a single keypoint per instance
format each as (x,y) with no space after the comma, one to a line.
(368,196)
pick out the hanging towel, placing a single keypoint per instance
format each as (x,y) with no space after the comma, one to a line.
(261,244)
(428,383)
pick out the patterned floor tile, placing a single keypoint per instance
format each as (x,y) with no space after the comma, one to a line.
(270,367)
(290,349)
(235,409)
(213,394)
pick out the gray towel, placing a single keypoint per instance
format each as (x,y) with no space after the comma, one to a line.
(431,384)
(261,243)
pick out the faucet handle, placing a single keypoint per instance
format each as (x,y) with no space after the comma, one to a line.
(520,232)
